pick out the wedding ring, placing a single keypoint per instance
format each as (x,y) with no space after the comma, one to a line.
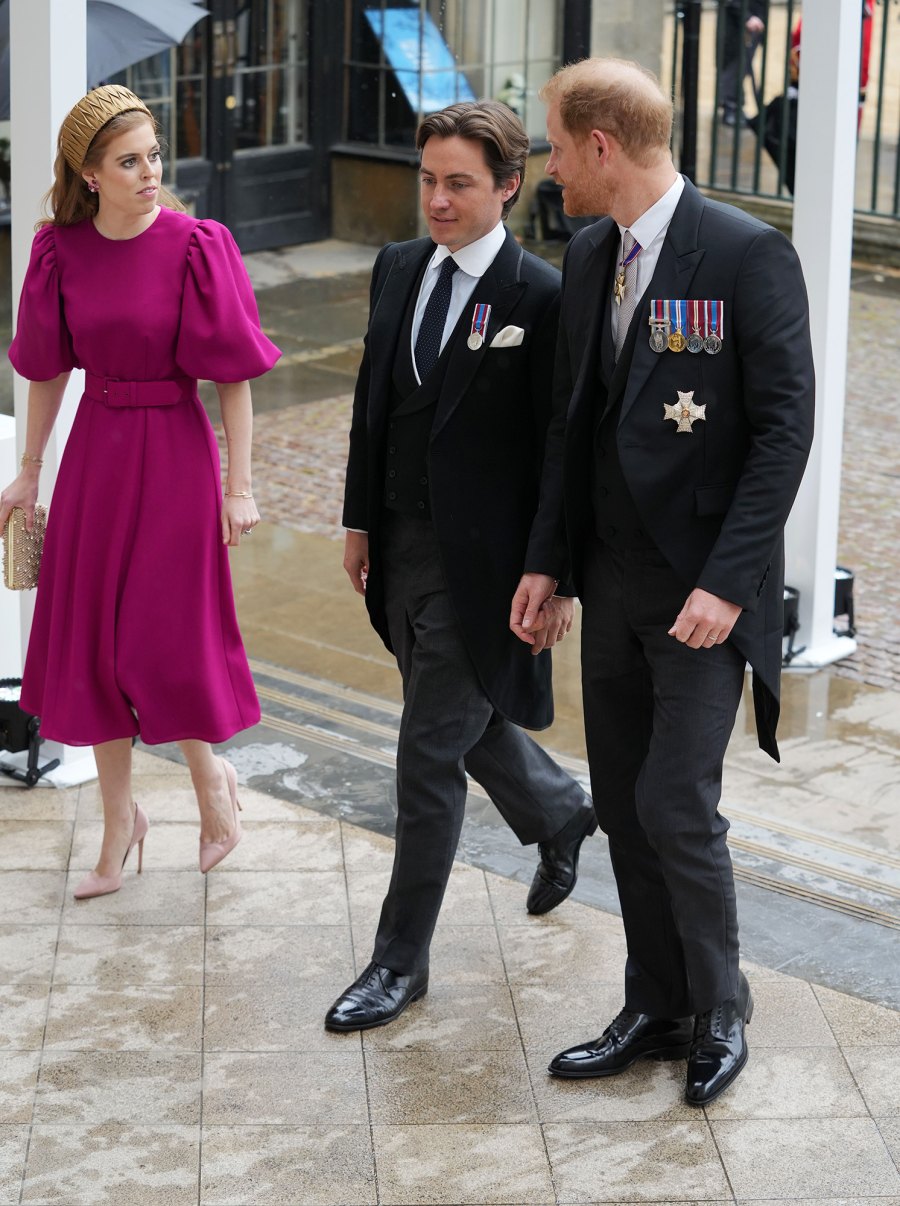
(246,531)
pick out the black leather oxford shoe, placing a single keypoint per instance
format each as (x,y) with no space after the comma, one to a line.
(719,1049)
(375,998)
(558,869)
(629,1037)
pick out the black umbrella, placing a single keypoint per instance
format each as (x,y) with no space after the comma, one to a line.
(119,33)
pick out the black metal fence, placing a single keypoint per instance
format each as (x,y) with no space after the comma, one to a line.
(740,76)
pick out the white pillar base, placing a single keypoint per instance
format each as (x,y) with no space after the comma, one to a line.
(79,766)
(814,657)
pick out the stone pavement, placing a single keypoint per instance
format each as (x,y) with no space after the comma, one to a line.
(163,1046)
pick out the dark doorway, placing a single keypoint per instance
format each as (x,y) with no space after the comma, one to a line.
(265,174)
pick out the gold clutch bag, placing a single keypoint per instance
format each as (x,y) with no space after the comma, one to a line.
(22,550)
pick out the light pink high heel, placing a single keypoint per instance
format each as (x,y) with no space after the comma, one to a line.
(102,885)
(212,853)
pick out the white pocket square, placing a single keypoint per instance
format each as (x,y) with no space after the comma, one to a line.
(509,337)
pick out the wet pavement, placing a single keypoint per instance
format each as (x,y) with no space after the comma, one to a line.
(163,1046)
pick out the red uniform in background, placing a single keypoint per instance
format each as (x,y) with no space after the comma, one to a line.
(868,10)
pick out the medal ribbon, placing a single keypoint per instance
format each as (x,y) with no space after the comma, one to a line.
(480,319)
(632,255)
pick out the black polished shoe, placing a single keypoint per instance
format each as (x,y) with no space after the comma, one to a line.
(719,1049)
(629,1037)
(558,869)
(375,998)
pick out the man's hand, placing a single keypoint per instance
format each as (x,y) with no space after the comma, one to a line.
(356,559)
(755,25)
(705,620)
(527,615)
(557,614)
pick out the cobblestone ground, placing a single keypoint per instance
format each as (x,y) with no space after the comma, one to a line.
(300,455)
(869,534)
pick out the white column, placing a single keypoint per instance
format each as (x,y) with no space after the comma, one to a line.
(10,618)
(823,236)
(48,48)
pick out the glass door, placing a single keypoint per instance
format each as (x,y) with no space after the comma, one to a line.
(268,140)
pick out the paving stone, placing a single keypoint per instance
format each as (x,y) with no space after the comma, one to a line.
(111,1164)
(804,1158)
(287,1166)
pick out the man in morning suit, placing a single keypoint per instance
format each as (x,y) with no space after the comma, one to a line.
(685,395)
(446,444)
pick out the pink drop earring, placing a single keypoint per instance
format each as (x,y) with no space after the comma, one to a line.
(94,186)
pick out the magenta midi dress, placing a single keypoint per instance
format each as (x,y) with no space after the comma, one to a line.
(135,629)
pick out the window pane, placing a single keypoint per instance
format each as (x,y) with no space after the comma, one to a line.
(544,29)
(151,79)
(263,33)
(191,54)
(271,76)
(260,112)
(191,142)
(535,117)
(410,58)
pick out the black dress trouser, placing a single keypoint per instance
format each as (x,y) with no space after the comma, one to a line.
(658,717)
(448,727)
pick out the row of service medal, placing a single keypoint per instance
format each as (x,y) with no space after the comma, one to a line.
(702,320)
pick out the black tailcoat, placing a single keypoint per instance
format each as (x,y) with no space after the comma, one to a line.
(714,502)
(484,457)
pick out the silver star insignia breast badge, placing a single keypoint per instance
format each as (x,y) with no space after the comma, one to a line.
(685,412)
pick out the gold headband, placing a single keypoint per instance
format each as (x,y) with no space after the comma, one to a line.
(90,115)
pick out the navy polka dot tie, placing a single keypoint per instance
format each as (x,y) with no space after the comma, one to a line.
(431,329)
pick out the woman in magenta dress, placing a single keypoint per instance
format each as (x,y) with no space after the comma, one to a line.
(135,629)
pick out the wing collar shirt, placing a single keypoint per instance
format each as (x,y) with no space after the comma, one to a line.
(650,231)
(472,262)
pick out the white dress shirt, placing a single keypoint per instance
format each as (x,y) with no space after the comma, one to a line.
(650,231)
(472,262)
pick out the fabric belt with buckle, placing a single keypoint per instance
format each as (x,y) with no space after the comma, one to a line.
(138,393)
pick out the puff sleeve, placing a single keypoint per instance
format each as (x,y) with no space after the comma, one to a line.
(219,338)
(42,348)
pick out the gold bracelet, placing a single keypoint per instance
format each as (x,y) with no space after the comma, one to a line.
(237,494)
(28,459)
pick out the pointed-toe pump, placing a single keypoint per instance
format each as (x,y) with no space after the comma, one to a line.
(212,853)
(102,885)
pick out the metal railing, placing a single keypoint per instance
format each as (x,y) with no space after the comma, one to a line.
(754,154)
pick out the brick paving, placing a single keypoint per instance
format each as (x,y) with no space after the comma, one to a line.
(299,455)
(300,450)
(869,535)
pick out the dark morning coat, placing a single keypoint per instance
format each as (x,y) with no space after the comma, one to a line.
(714,502)
(484,457)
